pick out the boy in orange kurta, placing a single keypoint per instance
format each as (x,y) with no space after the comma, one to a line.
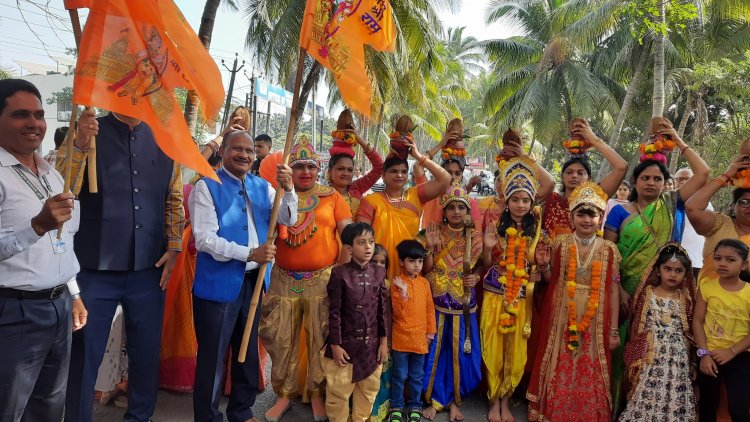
(413,329)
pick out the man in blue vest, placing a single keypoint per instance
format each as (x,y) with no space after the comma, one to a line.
(230,224)
(130,234)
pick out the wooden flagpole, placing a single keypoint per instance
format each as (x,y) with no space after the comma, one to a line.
(91,163)
(274,211)
(70,136)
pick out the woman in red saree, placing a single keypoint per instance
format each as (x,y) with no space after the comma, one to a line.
(577,170)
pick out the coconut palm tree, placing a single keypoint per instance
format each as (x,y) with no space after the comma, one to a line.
(543,76)
(205,31)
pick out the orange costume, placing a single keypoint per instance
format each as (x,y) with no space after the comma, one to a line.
(297,297)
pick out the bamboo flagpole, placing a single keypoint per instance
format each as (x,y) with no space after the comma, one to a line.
(274,211)
(91,158)
(70,136)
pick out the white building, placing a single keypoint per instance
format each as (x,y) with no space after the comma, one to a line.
(48,85)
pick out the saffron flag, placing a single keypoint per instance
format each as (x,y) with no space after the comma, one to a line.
(334,32)
(132,57)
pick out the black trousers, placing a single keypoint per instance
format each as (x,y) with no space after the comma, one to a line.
(217,325)
(34,358)
(736,378)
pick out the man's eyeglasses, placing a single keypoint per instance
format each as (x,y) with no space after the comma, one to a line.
(744,202)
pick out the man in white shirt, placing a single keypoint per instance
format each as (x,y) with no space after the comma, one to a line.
(230,224)
(35,303)
(691,240)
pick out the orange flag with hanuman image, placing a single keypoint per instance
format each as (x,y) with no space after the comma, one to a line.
(335,32)
(132,57)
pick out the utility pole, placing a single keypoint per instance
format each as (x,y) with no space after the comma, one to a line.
(233,70)
(253,102)
(312,121)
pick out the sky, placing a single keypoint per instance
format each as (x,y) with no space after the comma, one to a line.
(38,31)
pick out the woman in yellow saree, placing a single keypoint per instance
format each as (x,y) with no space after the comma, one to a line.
(642,226)
(395,212)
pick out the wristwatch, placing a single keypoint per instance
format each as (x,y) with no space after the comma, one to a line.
(701,352)
(250,254)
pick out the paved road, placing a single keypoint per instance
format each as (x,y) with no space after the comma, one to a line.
(174,407)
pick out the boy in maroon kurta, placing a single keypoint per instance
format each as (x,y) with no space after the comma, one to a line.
(357,337)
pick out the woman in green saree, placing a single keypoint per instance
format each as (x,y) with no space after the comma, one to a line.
(639,228)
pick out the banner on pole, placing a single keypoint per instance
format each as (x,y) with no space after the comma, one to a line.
(335,32)
(132,57)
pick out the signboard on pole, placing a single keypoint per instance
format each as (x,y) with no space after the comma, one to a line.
(267,91)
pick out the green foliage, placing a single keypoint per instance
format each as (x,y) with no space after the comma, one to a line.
(643,17)
(64,96)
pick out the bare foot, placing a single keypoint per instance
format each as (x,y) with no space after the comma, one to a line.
(278,409)
(456,414)
(318,407)
(429,413)
(494,414)
(505,414)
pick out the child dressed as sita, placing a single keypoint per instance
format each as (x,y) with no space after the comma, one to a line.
(570,379)
(506,311)
(657,355)
(453,367)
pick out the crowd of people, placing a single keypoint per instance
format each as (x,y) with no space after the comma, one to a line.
(617,300)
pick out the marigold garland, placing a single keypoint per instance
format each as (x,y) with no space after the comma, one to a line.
(577,146)
(657,150)
(458,152)
(515,278)
(575,327)
(347,137)
(742,179)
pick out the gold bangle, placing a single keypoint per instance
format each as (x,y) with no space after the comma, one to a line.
(422,160)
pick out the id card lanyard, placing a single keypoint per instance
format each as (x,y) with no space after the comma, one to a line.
(58,246)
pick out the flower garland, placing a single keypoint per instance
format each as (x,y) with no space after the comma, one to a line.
(741,179)
(515,278)
(657,150)
(577,145)
(575,327)
(459,152)
(347,137)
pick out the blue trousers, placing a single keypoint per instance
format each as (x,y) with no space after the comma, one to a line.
(34,358)
(143,309)
(217,325)
(407,371)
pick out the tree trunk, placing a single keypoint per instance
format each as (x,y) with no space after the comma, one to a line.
(566,99)
(310,80)
(204,34)
(657,109)
(627,102)
(681,131)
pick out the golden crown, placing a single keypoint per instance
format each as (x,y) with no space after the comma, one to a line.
(518,174)
(303,152)
(588,194)
(455,192)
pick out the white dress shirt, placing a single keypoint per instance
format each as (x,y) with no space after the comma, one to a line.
(693,242)
(28,261)
(206,224)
